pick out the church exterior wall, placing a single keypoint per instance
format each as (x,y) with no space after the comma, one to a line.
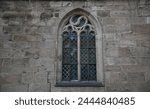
(29,39)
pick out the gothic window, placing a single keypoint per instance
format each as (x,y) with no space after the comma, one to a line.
(78,50)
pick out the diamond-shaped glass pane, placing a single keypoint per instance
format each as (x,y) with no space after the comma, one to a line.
(69,40)
(92,72)
(73,56)
(88,72)
(84,72)
(91,40)
(84,39)
(84,58)
(66,72)
(69,67)
(73,73)
(69,72)
(66,56)
(92,56)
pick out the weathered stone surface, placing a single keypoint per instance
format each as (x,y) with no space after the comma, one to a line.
(9,78)
(124,52)
(127,43)
(135,77)
(6,53)
(124,28)
(29,38)
(140,52)
(112,52)
(39,87)
(135,37)
(127,87)
(41,77)
(103,13)
(130,20)
(12,29)
(6,5)
(143,61)
(108,21)
(144,10)
(27,77)
(109,61)
(148,20)
(119,13)
(14,88)
(125,61)
(135,68)
(112,68)
(110,29)
(140,28)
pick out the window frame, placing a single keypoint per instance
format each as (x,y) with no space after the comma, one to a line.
(98,43)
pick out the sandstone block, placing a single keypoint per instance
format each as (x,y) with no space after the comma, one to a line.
(140,28)
(41,77)
(109,61)
(124,52)
(135,68)
(39,87)
(14,88)
(6,78)
(112,68)
(140,52)
(134,77)
(103,13)
(110,29)
(27,77)
(108,21)
(143,61)
(12,29)
(124,13)
(125,61)
(144,11)
(112,52)
(6,53)
(126,28)
(127,43)
(148,20)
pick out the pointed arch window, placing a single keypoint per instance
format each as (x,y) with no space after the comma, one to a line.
(78,50)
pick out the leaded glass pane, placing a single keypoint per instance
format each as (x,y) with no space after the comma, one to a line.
(92,72)
(87,55)
(78,26)
(88,72)
(84,72)
(84,39)
(91,40)
(66,41)
(65,72)
(92,55)
(66,56)
(73,56)
(69,72)
(84,56)
(73,73)
(69,67)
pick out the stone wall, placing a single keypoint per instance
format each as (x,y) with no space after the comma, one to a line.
(28,39)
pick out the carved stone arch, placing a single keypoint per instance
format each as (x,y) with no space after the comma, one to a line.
(98,30)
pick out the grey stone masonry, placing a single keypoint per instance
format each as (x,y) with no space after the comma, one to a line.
(29,40)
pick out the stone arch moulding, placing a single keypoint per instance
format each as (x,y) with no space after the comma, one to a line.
(98,40)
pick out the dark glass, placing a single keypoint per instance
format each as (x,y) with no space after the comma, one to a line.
(87,55)
(69,61)
(70,51)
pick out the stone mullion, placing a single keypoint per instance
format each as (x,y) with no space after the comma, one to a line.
(79,74)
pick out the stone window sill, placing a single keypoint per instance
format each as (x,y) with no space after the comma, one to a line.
(79,84)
